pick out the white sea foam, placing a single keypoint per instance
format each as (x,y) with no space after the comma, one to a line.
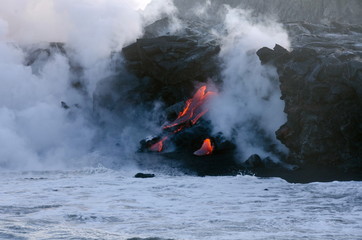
(106,204)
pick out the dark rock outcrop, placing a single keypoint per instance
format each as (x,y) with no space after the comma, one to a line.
(321,84)
(144,175)
(158,69)
(170,65)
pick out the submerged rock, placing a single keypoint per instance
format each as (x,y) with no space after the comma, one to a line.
(144,175)
(254,161)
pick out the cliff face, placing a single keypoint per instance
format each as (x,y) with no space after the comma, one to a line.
(321,84)
(315,11)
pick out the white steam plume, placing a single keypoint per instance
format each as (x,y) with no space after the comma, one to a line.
(249,105)
(33,128)
(35,132)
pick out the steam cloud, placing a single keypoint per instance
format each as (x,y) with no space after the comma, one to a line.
(36,133)
(249,109)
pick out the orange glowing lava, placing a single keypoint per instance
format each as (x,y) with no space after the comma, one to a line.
(158,147)
(206,149)
(193,110)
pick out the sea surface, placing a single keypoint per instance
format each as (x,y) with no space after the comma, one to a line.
(99,203)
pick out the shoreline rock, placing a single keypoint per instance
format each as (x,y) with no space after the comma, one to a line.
(322,89)
(144,175)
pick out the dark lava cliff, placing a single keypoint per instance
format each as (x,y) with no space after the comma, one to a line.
(320,81)
(321,84)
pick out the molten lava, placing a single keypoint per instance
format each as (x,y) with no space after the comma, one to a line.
(189,116)
(158,147)
(193,110)
(206,149)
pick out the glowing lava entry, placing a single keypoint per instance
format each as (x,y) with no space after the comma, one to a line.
(158,147)
(192,112)
(206,149)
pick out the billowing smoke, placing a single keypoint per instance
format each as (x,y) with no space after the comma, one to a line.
(249,110)
(37,131)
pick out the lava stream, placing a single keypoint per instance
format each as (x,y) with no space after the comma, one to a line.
(189,116)
(193,110)
(158,147)
(206,149)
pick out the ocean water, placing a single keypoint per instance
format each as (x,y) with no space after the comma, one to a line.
(99,203)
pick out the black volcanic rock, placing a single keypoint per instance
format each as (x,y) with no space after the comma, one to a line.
(170,65)
(254,161)
(321,84)
(164,69)
(267,55)
(144,175)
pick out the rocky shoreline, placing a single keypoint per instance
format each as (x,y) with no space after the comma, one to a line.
(320,82)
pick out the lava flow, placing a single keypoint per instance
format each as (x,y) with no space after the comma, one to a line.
(189,116)
(193,110)
(206,149)
(158,147)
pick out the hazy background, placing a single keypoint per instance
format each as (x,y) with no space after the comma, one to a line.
(314,11)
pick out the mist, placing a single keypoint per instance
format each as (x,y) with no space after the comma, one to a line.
(35,131)
(48,123)
(248,110)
